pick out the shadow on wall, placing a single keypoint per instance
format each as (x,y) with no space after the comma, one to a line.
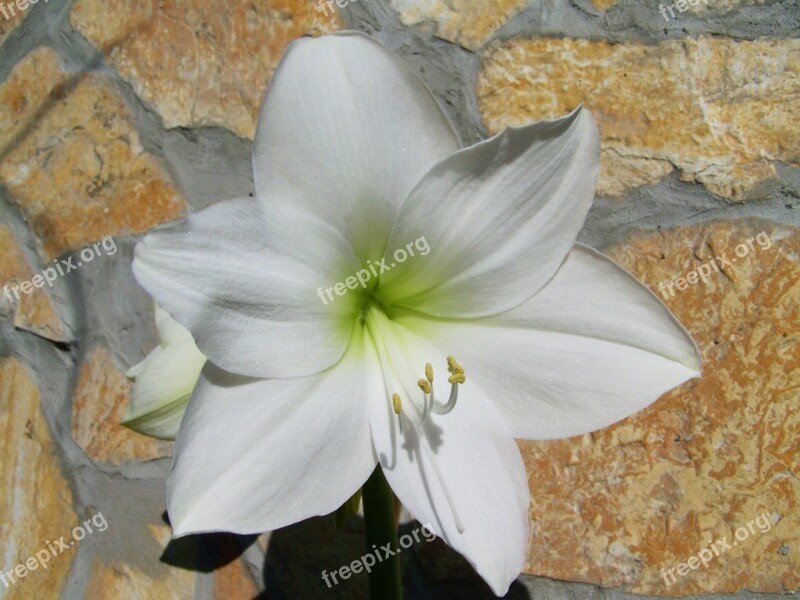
(297,556)
(207,552)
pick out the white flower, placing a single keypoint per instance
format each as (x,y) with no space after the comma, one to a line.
(353,160)
(164,380)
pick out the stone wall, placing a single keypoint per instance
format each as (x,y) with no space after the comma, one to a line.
(120,115)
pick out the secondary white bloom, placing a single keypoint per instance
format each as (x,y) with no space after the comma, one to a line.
(354,159)
(164,380)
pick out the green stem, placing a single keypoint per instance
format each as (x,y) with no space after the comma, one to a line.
(381,522)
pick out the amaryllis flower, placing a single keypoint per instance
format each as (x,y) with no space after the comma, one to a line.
(505,328)
(164,380)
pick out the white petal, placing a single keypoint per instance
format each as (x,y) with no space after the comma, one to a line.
(257,454)
(346,131)
(499,218)
(592,347)
(164,382)
(251,309)
(169,330)
(481,467)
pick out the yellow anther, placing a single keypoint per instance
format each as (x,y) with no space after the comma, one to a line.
(398,405)
(424,386)
(457,378)
(453,366)
(429,373)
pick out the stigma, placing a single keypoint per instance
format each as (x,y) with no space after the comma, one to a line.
(413,399)
(430,404)
(418,415)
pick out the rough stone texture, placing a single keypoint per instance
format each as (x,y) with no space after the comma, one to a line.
(603,4)
(234,581)
(7,26)
(722,5)
(199,62)
(101,395)
(74,162)
(35,501)
(717,110)
(700,6)
(617,506)
(469,23)
(26,93)
(32,312)
(124,581)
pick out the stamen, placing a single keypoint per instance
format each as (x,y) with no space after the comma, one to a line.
(426,389)
(456,518)
(453,366)
(417,419)
(429,377)
(458,377)
(398,405)
(443,409)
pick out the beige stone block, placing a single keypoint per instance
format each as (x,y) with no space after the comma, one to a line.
(34,311)
(718,110)
(72,158)
(100,398)
(35,499)
(112,581)
(616,506)
(470,23)
(200,63)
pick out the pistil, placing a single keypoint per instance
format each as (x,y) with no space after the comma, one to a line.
(397,371)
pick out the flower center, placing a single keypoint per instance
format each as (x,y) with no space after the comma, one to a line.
(413,399)
(429,402)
